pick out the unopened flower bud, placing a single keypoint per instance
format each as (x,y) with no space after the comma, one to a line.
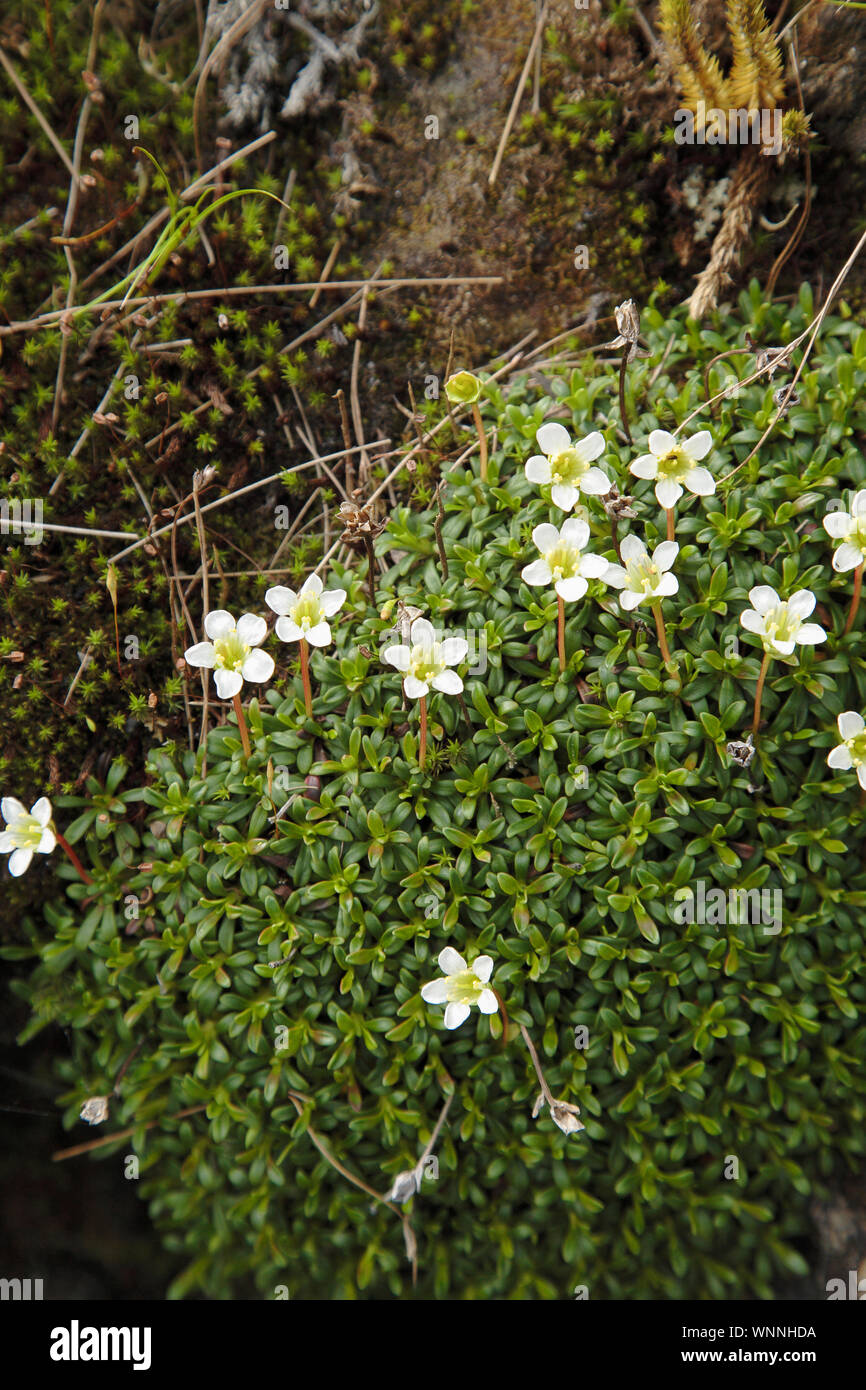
(463,388)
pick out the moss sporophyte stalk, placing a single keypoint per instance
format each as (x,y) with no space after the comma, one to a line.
(267,911)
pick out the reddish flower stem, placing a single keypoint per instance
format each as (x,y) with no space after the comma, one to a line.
(855,599)
(662,634)
(482,439)
(422,751)
(759,693)
(670,516)
(73,858)
(242,725)
(305,675)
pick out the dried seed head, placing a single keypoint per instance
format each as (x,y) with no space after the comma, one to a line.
(95,1110)
(565,1116)
(627,318)
(562,1113)
(741,753)
(618,504)
(404,1186)
(359,524)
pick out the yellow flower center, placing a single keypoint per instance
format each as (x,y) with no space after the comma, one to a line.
(307,612)
(426,662)
(675,464)
(563,561)
(857,747)
(857,534)
(643,575)
(465,987)
(567,467)
(779,624)
(231,652)
(26,832)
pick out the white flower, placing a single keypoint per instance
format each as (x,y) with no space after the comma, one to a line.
(27,832)
(674,463)
(851,752)
(780,625)
(563,563)
(567,465)
(460,987)
(644,579)
(850,528)
(231,653)
(305,615)
(425,661)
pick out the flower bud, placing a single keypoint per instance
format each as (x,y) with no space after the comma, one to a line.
(463,388)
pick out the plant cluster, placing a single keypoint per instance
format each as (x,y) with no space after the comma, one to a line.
(254,979)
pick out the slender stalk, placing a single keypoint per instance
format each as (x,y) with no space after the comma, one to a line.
(73,858)
(560,632)
(422,751)
(662,634)
(482,439)
(623,415)
(759,694)
(670,516)
(121,1134)
(461,701)
(437,531)
(502,1009)
(855,598)
(545,1089)
(614,531)
(242,725)
(371,570)
(197,481)
(419,1166)
(305,676)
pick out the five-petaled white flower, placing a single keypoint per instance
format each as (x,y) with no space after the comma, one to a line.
(27,832)
(851,752)
(781,624)
(424,662)
(644,579)
(564,563)
(461,986)
(674,463)
(850,529)
(305,615)
(567,465)
(231,653)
